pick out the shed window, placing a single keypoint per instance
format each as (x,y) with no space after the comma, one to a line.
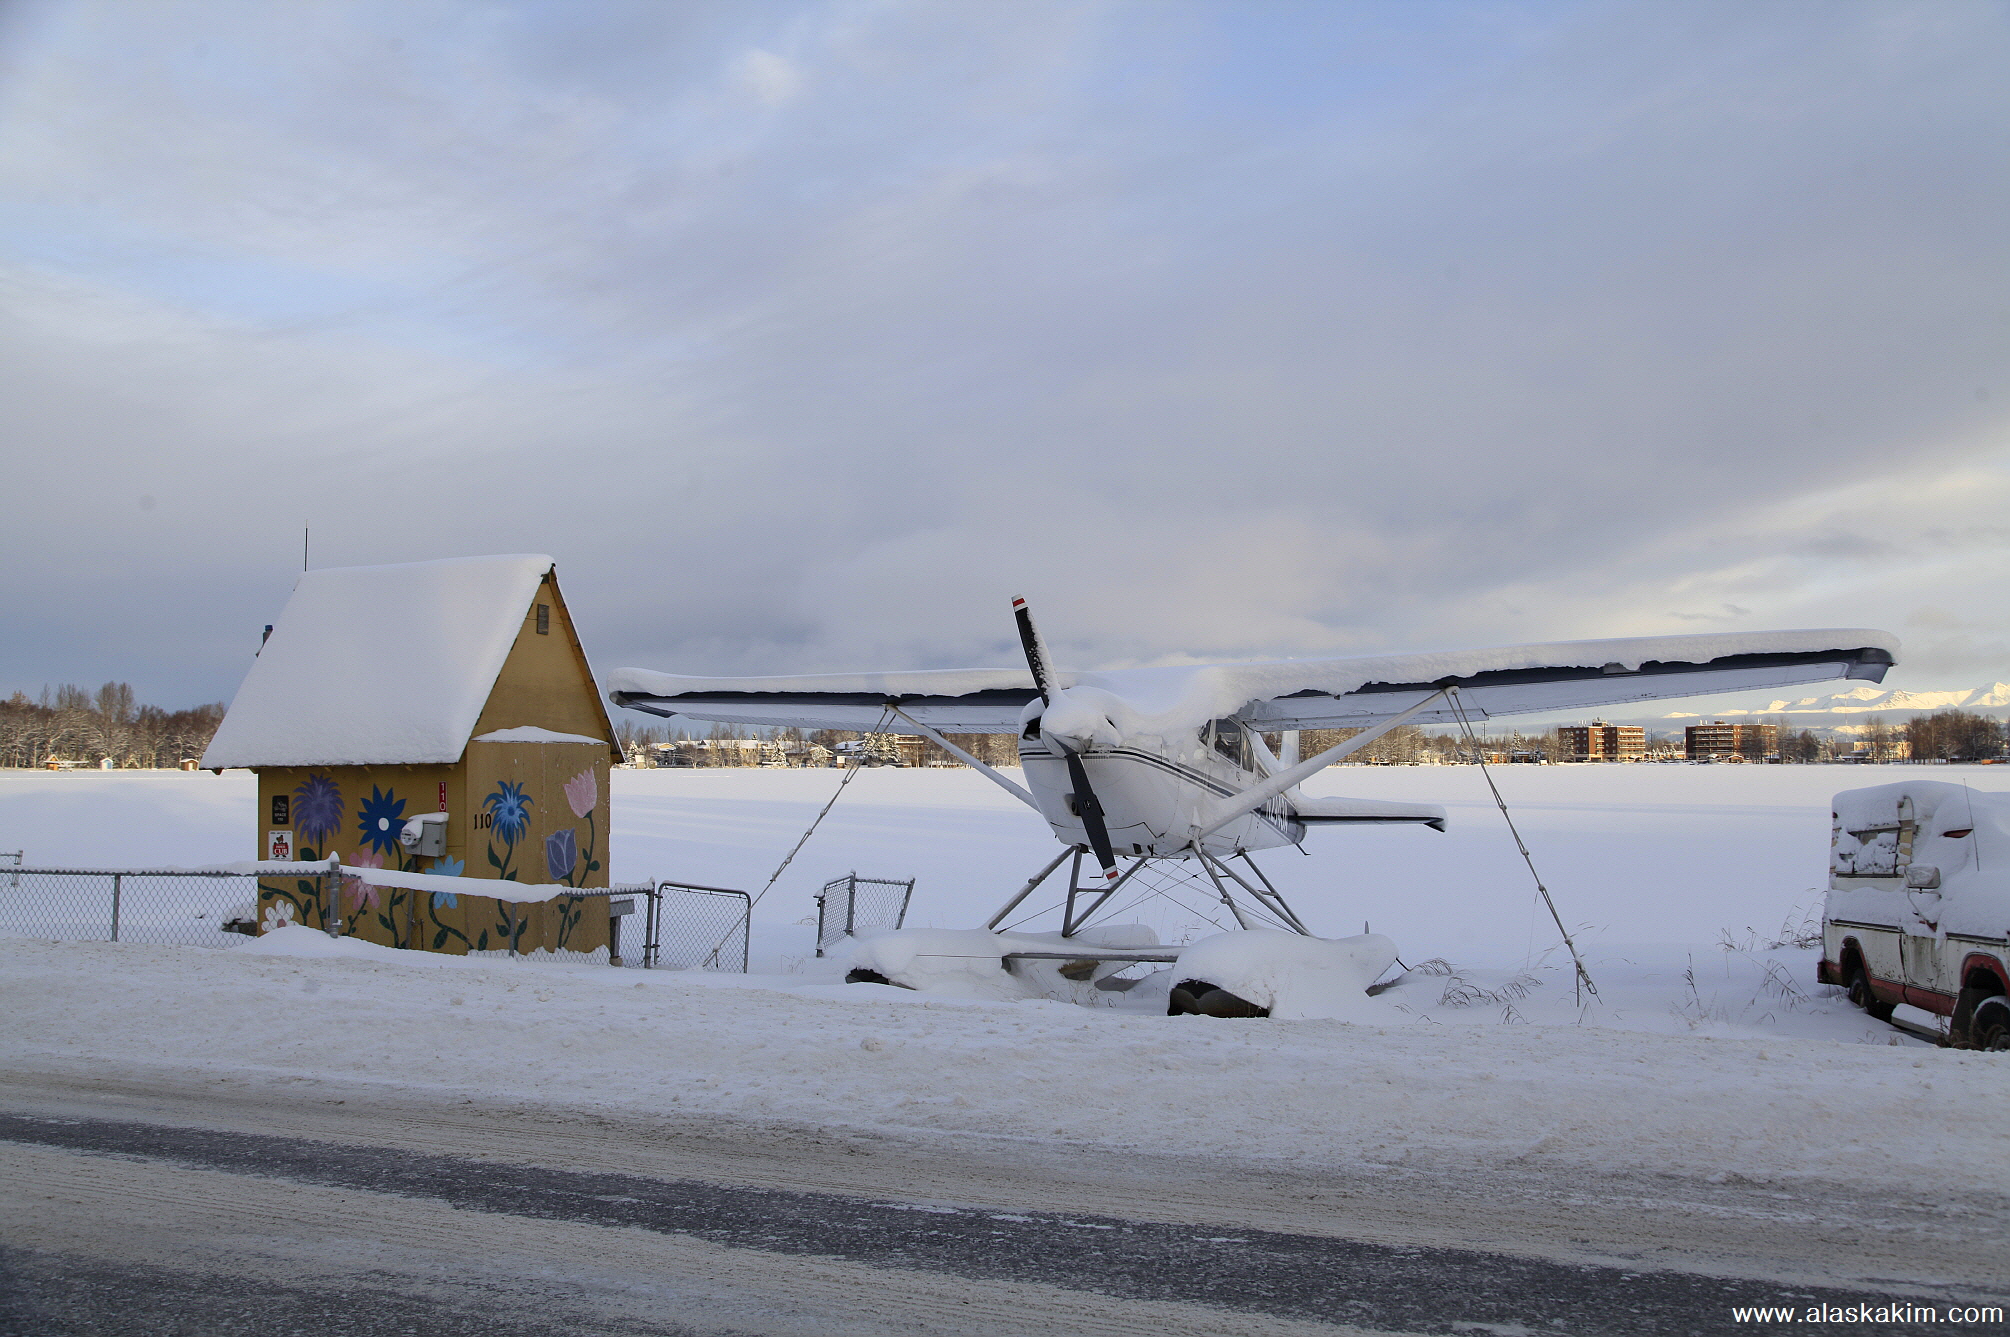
(544,619)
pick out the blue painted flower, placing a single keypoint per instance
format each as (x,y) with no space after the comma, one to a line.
(509,811)
(379,819)
(446,900)
(561,853)
(317,809)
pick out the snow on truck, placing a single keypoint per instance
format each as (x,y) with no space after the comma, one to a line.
(1918,908)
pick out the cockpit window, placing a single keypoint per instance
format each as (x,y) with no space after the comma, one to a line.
(1227,738)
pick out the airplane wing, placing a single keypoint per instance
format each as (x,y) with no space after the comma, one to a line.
(947,700)
(1576,675)
(1287,694)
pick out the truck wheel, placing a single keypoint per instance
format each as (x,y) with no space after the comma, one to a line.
(1861,994)
(1960,1026)
(1990,1028)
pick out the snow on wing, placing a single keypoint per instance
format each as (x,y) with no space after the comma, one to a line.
(1291,693)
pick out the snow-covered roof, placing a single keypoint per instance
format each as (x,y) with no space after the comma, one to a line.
(374,665)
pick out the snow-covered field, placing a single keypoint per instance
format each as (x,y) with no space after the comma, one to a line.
(1655,861)
(1695,1061)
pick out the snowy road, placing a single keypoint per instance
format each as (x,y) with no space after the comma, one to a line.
(1714,1116)
(342,1214)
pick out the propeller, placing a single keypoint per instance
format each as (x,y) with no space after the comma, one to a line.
(1086,806)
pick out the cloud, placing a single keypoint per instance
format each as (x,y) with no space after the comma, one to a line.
(771,78)
(807,334)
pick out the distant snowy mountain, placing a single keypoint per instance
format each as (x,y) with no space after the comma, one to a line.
(1838,707)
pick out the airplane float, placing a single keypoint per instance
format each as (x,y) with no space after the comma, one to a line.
(1146,764)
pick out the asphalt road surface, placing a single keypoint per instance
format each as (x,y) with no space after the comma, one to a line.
(251,1210)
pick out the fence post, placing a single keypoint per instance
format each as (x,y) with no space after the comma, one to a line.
(117,878)
(331,898)
(651,948)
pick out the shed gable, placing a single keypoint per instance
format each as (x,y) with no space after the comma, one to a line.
(545,681)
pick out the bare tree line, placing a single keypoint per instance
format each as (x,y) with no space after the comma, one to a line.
(75,725)
(1947,735)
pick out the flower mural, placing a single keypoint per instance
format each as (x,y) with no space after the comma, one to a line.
(582,795)
(317,811)
(561,853)
(357,894)
(582,792)
(379,820)
(508,810)
(446,900)
(279,914)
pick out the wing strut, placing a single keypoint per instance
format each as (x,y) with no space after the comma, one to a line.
(1249,800)
(1015,790)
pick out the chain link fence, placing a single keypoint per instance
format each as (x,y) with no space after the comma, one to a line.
(145,905)
(682,926)
(851,903)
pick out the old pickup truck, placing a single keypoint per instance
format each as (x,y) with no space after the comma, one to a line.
(1918,907)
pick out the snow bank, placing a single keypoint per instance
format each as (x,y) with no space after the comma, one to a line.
(1296,977)
(324,692)
(970,963)
(1745,1081)
(300,940)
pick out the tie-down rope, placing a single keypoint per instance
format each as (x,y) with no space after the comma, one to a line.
(851,772)
(1583,985)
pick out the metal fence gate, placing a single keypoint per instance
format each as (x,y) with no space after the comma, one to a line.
(850,903)
(690,927)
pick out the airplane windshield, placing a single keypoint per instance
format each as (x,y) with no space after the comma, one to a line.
(1227,738)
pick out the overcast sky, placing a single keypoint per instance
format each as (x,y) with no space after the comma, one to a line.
(805,335)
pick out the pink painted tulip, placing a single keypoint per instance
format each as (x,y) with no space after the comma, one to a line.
(582,791)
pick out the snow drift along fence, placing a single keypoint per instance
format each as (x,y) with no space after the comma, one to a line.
(148,905)
(686,927)
(850,903)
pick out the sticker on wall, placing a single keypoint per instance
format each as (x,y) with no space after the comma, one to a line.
(279,846)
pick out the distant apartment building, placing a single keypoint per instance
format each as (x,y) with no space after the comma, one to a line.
(1719,741)
(1599,741)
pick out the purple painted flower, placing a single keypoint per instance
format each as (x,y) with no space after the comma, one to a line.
(317,809)
(561,853)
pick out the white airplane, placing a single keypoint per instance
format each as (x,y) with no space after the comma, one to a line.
(1171,763)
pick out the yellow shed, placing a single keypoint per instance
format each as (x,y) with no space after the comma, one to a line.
(436,718)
